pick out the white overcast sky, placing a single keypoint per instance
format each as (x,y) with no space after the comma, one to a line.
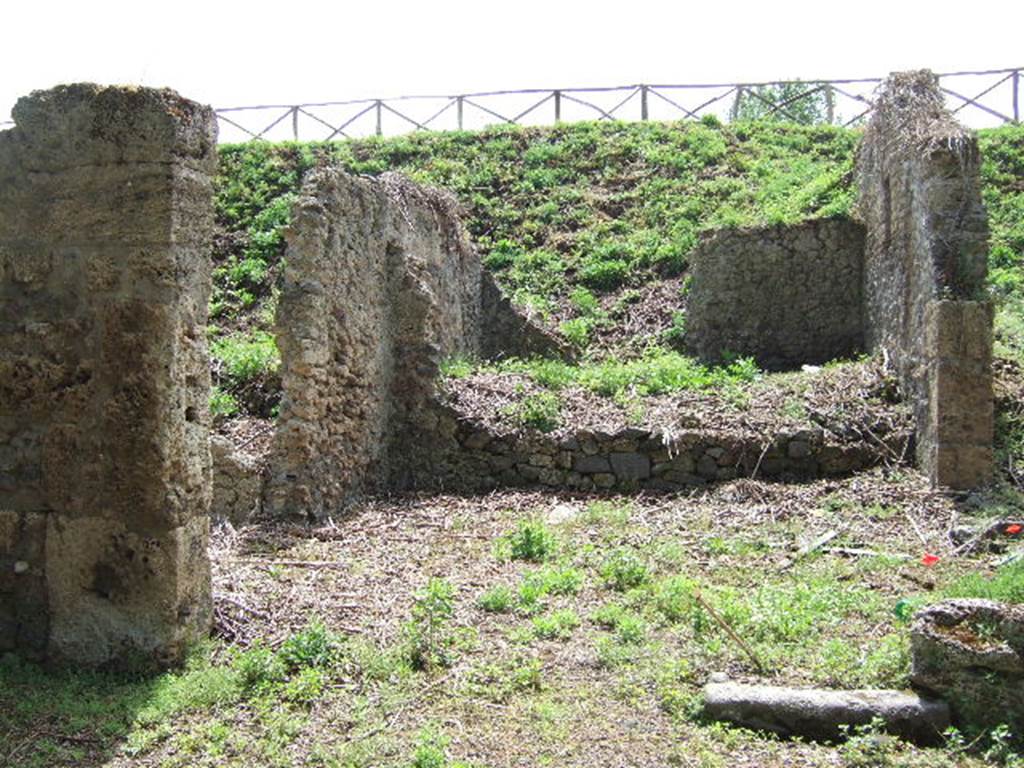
(233,53)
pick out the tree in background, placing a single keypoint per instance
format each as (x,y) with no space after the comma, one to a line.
(792,102)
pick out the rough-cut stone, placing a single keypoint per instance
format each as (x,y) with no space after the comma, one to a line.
(785,295)
(520,457)
(589,465)
(630,466)
(971,652)
(819,713)
(237,482)
(105,226)
(924,273)
(380,286)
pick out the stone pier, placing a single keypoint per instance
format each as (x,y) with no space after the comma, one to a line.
(105,222)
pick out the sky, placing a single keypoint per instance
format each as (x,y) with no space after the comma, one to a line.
(294,51)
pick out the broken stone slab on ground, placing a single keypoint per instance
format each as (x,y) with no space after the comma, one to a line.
(819,714)
(971,652)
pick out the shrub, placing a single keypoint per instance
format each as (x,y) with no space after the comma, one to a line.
(258,667)
(603,275)
(314,646)
(624,569)
(540,411)
(497,600)
(533,541)
(556,626)
(428,636)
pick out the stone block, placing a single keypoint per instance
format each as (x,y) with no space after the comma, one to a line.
(630,465)
(821,713)
(105,224)
(798,449)
(971,653)
(589,465)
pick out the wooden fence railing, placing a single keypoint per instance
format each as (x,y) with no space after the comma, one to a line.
(842,102)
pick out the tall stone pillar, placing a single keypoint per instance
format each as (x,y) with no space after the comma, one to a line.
(926,257)
(105,223)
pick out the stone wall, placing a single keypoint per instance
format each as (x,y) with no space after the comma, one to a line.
(105,218)
(924,273)
(784,295)
(381,285)
(473,456)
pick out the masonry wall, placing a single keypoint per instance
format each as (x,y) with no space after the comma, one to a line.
(472,456)
(924,273)
(105,220)
(784,295)
(380,287)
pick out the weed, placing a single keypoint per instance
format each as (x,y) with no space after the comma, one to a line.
(245,373)
(456,368)
(427,634)
(502,682)
(604,512)
(556,581)
(1001,748)
(1006,585)
(223,405)
(558,625)
(532,541)
(674,694)
(315,646)
(869,746)
(608,615)
(498,599)
(259,667)
(624,569)
(307,686)
(612,654)
(674,598)
(539,410)
(431,749)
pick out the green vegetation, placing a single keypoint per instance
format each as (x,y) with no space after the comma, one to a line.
(558,625)
(658,371)
(1002,168)
(595,206)
(245,373)
(532,541)
(428,635)
(540,411)
(575,219)
(796,101)
(571,638)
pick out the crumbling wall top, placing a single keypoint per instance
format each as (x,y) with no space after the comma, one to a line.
(89,124)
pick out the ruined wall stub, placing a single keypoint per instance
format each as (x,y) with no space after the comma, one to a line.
(784,295)
(924,273)
(105,220)
(381,285)
(378,288)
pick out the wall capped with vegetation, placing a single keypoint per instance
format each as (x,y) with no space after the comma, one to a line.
(926,260)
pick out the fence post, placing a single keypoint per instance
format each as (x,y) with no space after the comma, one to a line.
(830,104)
(380,131)
(458,106)
(643,102)
(558,106)
(1016,96)
(295,123)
